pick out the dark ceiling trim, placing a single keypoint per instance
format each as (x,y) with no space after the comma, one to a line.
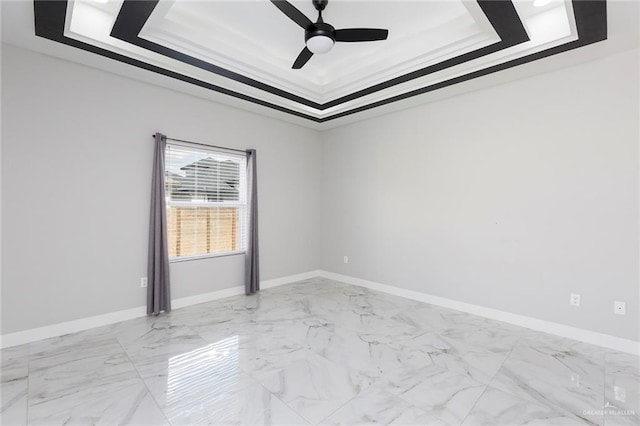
(591,25)
(502,15)
(590,16)
(134,14)
(505,21)
(49,16)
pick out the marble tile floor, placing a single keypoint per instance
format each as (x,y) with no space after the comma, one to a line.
(317,352)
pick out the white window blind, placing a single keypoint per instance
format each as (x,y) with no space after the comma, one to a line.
(206,195)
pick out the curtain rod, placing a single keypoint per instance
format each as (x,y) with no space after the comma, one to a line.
(203,144)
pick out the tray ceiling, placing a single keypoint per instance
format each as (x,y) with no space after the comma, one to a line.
(245,49)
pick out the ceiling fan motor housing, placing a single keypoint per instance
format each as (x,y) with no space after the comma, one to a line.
(320,29)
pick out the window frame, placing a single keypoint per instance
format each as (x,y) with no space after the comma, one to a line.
(242,204)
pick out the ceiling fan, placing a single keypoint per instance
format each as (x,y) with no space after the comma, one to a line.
(320,36)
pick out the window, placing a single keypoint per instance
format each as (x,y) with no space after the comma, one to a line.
(206,201)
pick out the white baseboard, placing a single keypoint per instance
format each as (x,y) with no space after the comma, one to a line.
(234,291)
(289,279)
(34,334)
(600,339)
(206,297)
(59,329)
(595,338)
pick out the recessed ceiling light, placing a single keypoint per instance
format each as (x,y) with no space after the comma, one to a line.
(101,1)
(540,3)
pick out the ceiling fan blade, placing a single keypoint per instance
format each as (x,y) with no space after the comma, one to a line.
(302,58)
(361,34)
(294,14)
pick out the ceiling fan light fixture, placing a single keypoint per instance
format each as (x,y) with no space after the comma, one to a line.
(320,44)
(320,36)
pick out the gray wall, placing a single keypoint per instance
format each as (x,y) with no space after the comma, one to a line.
(76,168)
(511,197)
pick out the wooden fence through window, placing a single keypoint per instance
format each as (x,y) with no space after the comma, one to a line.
(202,230)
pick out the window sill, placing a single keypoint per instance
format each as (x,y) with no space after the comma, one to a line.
(204,256)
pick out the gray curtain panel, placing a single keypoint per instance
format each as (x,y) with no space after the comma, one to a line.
(252,268)
(158,292)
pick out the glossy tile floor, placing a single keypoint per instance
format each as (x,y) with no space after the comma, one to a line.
(317,352)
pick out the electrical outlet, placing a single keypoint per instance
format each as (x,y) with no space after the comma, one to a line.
(143,282)
(574,300)
(346,259)
(620,308)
